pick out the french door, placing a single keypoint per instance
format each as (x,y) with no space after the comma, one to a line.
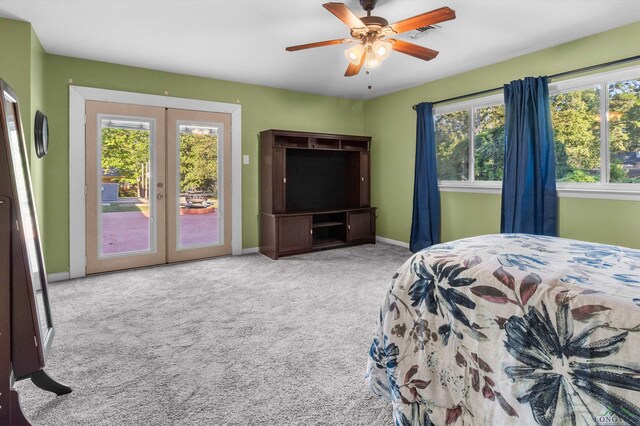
(158,185)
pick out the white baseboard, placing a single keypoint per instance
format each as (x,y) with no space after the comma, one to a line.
(63,276)
(394,242)
(58,276)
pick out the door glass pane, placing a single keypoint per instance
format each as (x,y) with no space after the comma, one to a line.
(624,131)
(126,185)
(198,201)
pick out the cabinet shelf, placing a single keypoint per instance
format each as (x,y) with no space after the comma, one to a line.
(328,242)
(327,224)
(320,143)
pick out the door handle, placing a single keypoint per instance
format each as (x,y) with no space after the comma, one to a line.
(159,196)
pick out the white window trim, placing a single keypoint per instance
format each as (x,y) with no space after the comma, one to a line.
(477,102)
(603,189)
(595,191)
(482,187)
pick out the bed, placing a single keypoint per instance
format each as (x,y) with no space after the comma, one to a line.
(511,329)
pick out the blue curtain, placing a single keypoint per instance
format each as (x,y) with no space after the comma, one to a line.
(529,198)
(425,224)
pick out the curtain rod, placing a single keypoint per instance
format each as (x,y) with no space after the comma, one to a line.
(560,74)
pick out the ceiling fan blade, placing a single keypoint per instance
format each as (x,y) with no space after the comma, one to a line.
(413,50)
(353,69)
(344,14)
(318,44)
(423,20)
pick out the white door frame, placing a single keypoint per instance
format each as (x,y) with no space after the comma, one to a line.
(77,97)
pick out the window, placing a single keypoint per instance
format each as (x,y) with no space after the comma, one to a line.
(489,143)
(452,145)
(470,141)
(596,126)
(576,134)
(624,131)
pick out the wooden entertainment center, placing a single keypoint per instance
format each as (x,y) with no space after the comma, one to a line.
(314,192)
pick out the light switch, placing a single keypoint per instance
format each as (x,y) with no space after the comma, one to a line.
(245,159)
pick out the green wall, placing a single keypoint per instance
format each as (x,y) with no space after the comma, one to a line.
(391,122)
(262,108)
(468,213)
(15,59)
(602,221)
(22,60)
(37,102)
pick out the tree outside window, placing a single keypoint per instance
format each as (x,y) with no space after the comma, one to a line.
(452,145)
(624,131)
(199,163)
(125,160)
(489,143)
(576,128)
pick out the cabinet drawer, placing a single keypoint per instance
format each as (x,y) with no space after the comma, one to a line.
(294,233)
(361,225)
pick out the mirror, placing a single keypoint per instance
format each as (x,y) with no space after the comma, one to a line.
(26,216)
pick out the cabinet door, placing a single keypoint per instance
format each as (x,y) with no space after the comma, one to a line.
(360,226)
(294,233)
(365,189)
(279,180)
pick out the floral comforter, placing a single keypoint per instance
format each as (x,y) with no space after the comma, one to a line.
(511,329)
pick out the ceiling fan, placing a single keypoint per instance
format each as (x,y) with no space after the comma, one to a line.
(372,34)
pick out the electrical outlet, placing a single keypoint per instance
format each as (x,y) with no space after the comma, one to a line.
(245,159)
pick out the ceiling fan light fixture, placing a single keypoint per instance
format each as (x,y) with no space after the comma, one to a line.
(354,54)
(372,61)
(370,34)
(382,49)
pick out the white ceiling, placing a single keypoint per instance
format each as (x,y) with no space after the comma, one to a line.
(244,40)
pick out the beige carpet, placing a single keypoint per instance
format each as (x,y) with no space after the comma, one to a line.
(234,341)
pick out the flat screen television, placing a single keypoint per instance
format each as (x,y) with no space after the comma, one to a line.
(316,180)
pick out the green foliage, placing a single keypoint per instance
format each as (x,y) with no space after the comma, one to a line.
(490,155)
(618,174)
(124,207)
(127,190)
(577,175)
(563,169)
(489,143)
(125,152)
(198,162)
(452,145)
(576,127)
(624,127)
